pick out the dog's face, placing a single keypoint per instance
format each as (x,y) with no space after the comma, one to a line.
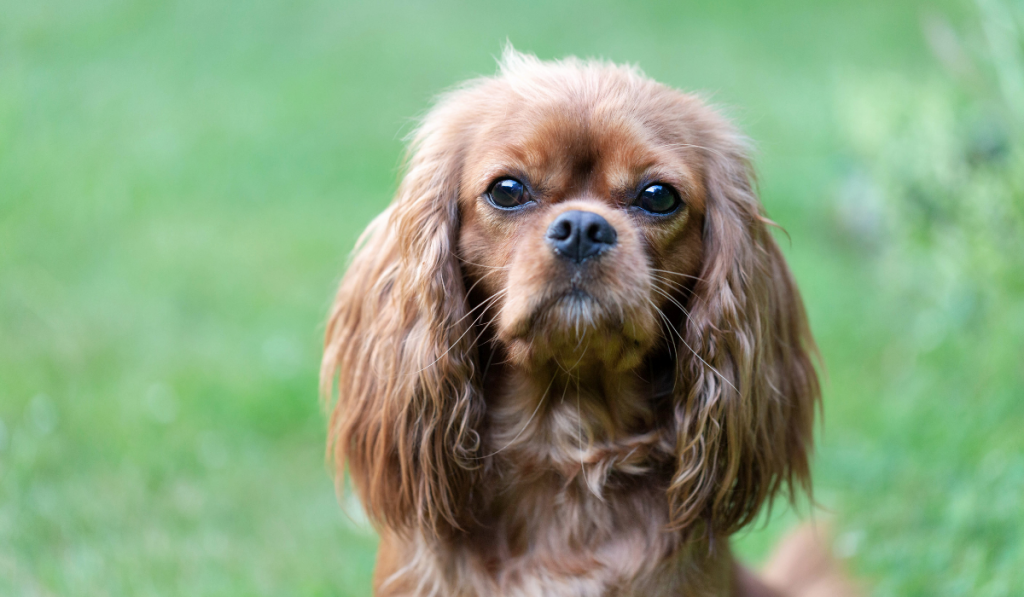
(581,222)
(581,214)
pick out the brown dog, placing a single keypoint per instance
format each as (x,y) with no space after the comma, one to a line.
(570,358)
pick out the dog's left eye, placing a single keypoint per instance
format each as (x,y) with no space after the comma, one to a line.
(508,193)
(658,199)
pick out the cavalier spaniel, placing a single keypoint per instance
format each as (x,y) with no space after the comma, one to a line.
(569,359)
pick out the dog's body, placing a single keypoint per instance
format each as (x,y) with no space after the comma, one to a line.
(570,357)
(552,519)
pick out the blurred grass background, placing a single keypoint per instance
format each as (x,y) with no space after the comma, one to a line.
(180,184)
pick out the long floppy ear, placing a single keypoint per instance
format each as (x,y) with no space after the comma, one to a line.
(398,346)
(747,385)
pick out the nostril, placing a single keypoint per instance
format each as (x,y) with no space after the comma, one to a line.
(561,230)
(598,233)
(601,232)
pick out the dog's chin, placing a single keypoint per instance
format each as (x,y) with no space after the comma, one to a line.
(576,329)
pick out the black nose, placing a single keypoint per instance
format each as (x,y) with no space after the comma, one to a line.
(578,235)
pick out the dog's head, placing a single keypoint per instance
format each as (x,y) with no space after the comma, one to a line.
(582,215)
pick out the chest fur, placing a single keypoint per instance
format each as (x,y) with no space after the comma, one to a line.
(572,501)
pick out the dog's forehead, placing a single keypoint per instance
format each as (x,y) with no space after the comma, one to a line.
(572,143)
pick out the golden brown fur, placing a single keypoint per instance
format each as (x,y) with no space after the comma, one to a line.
(517,425)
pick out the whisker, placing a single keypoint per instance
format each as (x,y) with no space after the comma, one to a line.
(679,287)
(494,267)
(580,360)
(665,271)
(468,328)
(471,288)
(490,358)
(672,284)
(468,313)
(701,359)
(491,321)
(671,299)
(668,324)
(459,320)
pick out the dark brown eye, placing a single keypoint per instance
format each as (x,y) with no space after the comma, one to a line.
(508,193)
(658,199)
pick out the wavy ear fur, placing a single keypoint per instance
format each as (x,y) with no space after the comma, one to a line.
(399,349)
(747,385)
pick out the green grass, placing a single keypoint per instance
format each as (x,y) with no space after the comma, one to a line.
(180,184)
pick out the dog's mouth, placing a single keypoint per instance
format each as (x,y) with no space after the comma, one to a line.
(574,308)
(569,312)
(577,327)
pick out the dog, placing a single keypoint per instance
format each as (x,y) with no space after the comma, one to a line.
(570,358)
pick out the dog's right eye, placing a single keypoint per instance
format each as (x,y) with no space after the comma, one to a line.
(508,193)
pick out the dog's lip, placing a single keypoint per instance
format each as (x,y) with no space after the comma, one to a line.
(548,301)
(572,292)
